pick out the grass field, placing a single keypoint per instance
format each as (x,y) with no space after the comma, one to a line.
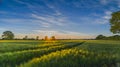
(59,53)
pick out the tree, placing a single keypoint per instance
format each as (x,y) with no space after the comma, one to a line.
(53,38)
(99,37)
(8,35)
(46,37)
(115,22)
(115,37)
(25,38)
(37,37)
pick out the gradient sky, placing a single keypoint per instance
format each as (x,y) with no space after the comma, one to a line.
(62,18)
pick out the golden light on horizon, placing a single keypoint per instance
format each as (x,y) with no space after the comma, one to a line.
(49,35)
(50,38)
(57,34)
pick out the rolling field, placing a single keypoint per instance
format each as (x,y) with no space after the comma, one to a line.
(59,53)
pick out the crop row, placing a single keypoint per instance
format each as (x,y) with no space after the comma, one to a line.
(73,58)
(11,59)
(19,47)
(103,47)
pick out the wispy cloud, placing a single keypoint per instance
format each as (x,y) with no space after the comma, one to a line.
(105,18)
(85,3)
(25,3)
(54,8)
(45,18)
(118,2)
(3,12)
(104,2)
(107,15)
(16,20)
(108,2)
(60,21)
(101,18)
(53,32)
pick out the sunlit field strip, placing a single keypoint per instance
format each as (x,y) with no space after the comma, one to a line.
(74,57)
(9,59)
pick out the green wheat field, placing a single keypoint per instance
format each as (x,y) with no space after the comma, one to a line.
(59,53)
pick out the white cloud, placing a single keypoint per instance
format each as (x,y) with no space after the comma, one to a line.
(108,12)
(102,19)
(107,15)
(53,32)
(30,6)
(90,20)
(54,8)
(25,22)
(45,18)
(35,9)
(105,19)
(25,3)
(61,21)
(58,13)
(119,6)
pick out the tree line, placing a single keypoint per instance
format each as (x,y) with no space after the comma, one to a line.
(115,27)
(102,37)
(9,35)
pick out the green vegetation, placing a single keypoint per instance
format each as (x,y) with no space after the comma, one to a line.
(102,37)
(115,22)
(72,58)
(8,35)
(60,53)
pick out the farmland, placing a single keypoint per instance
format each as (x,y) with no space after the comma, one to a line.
(59,53)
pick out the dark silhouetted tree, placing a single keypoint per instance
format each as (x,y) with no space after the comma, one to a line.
(115,22)
(99,37)
(37,38)
(46,37)
(25,38)
(53,38)
(8,35)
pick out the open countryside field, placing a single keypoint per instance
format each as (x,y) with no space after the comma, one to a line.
(59,33)
(59,53)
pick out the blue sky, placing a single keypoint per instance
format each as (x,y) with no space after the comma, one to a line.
(62,18)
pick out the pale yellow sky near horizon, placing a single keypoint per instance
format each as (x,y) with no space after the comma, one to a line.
(58,36)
